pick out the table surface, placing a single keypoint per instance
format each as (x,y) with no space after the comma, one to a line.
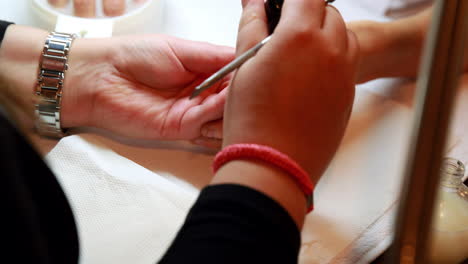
(357,196)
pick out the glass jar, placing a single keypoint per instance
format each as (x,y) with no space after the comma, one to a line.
(452,172)
(449,243)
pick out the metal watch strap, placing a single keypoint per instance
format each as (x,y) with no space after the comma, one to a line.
(52,68)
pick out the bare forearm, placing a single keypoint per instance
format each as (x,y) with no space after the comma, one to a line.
(390,49)
(19,59)
(20,56)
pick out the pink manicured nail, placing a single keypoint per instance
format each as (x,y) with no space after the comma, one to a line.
(206,132)
(58,3)
(85,8)
(114,7)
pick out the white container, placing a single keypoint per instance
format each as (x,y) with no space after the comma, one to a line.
(449,241)
(144,18)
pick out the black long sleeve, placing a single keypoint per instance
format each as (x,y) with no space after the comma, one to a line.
(3,27)
(235,224)
(227,224)
(37,223)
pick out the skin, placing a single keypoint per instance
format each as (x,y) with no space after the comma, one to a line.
(58,3)
(86,8)
(136,87)
(391,49)
(114,7)
(398,44)
(265,107)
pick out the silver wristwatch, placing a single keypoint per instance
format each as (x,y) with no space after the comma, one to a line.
(52,68)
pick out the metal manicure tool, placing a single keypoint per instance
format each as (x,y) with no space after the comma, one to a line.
(273,12)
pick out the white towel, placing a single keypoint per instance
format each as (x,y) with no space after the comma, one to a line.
(124,212)
(129,214)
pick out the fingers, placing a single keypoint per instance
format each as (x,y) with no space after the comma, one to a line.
(334,28)
(302,15)
(353,47)
(211,108)
(58,3)
(354,53)
(85,8)
(200,57)
(338,36)
(253,26)
(82,8)
(211,135)
(213,129)
(211,143)
(114,7)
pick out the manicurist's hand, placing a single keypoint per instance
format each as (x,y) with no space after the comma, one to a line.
(135,86)
(295,95)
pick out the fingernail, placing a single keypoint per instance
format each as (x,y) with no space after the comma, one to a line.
(58,3)
(114,7)
(244,3)
(207,132)
(85,8)
(198,141)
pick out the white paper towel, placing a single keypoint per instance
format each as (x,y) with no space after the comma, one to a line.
(124,212)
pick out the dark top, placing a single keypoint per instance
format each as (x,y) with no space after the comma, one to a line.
(227,224)
(37,222)
(235,224)
(3,27)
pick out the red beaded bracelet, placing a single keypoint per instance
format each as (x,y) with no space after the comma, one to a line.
(270,156)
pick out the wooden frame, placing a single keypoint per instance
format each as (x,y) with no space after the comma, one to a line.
(438,80)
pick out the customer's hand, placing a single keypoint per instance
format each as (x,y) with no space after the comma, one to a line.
(296,94)
(87,8)
(139,86)
(211,135)
(135,86)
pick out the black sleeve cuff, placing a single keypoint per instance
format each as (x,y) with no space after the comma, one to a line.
(3,27)
(235,224)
